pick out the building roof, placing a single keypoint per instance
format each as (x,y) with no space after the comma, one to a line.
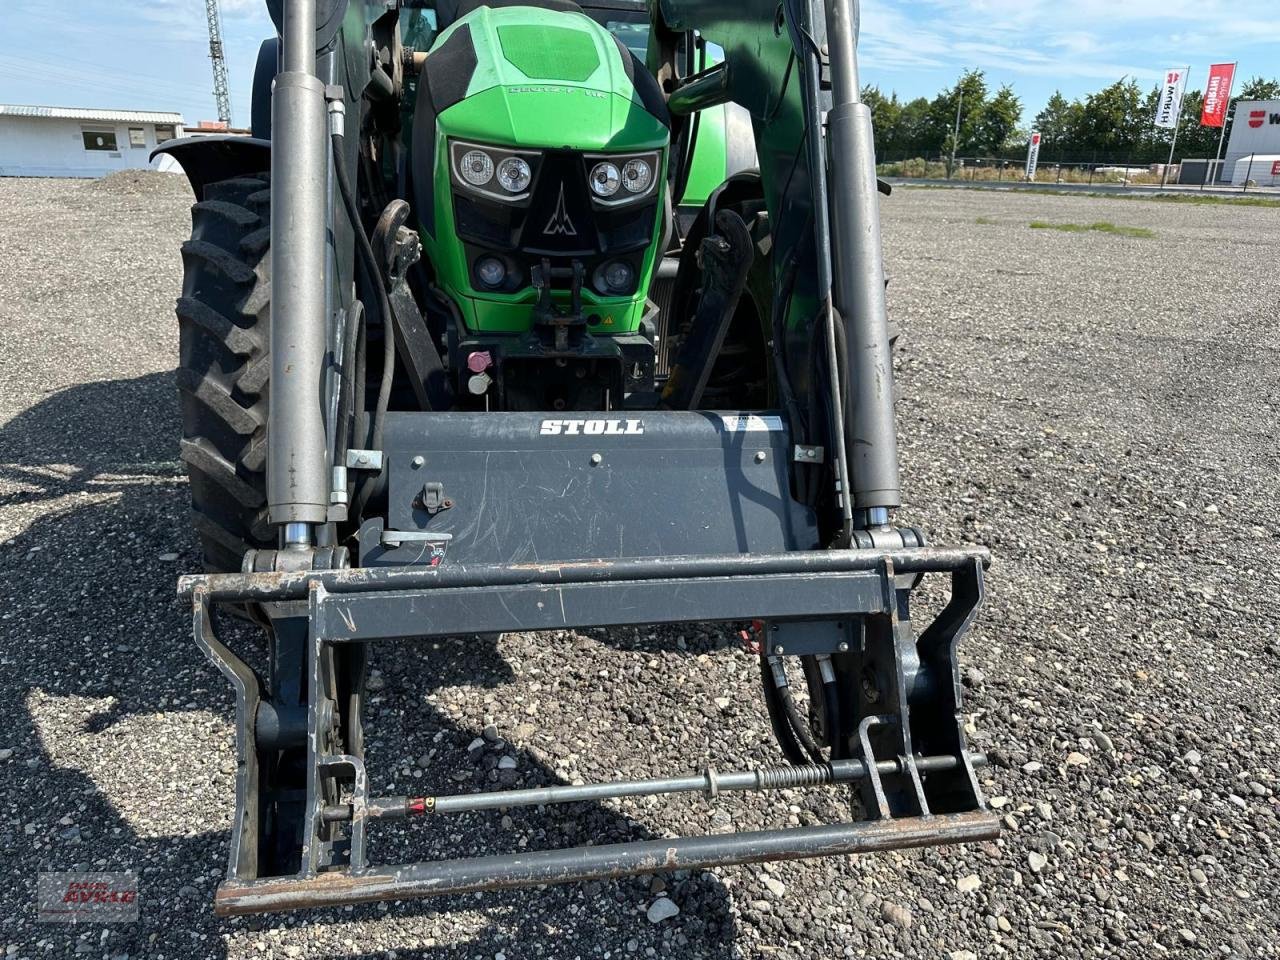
(89,113)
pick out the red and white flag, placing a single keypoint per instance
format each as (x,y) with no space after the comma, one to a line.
(1217,94)
(1170,108)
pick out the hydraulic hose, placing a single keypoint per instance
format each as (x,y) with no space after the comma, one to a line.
(775,676)
(782,731)
(345,428)
(365,250)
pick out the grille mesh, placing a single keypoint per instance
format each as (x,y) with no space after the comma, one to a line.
(549,53)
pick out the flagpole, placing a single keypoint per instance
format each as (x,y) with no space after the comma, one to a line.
(1222,135)
(1182,98)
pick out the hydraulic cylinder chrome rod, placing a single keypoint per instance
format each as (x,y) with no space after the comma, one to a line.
(858,285)
(297,467)
(709,782)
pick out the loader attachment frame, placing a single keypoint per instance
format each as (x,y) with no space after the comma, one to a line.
(422,523)
(916,789)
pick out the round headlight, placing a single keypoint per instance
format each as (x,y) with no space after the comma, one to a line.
(491,271)
(514,174)
(605,179)
(615,277)
(636,176)
(476,168)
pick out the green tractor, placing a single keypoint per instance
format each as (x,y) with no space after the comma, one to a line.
(526,316)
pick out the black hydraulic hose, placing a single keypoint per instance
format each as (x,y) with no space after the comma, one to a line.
(782,731)
(365,250)
(776,676)
(831,699)
(801,726)
(346,425)
(359,434)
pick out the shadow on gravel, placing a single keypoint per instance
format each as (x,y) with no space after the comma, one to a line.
(121,740)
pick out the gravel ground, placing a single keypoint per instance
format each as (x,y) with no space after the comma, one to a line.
(1099,410)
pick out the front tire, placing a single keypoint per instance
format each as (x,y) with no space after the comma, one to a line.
(224,365)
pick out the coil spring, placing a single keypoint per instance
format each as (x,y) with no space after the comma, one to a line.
(809,775)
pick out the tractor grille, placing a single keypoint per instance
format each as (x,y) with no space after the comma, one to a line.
(661,292)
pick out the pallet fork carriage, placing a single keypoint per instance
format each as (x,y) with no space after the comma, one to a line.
(598,404)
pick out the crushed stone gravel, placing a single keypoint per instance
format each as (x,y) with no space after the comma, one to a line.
(1099,410)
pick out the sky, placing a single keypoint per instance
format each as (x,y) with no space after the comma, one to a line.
(154,54)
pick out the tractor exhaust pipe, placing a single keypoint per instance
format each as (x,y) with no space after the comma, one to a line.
(858,290)
(297,469)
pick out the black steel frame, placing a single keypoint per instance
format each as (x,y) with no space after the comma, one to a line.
(342,608)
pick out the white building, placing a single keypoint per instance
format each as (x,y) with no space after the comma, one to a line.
(76,142)
(1262,169)
(1255,131)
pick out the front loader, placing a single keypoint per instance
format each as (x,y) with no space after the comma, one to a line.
(526,316)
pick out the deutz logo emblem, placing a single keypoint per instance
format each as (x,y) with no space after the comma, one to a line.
(560,222)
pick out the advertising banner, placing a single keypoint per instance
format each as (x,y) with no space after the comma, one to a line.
(1217,94)
(1033,154)
(1169,109)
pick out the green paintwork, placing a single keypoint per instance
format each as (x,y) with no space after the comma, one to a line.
(709,159)
(543,79)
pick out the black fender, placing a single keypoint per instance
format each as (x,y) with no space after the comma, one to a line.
(264,75)
(207,160)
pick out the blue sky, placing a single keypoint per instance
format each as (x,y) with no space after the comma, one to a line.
(153,54)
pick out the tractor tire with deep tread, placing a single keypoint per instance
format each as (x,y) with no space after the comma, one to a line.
(224,364)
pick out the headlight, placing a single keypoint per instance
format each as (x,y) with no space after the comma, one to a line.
(614,278)
(491,271)
(618,179)
(514,174)
(476,168)
(605,179)
(500,173)
(636,175)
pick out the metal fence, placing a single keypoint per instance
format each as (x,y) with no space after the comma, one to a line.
(1190,173)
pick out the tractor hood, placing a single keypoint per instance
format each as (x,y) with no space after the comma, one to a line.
(544,79)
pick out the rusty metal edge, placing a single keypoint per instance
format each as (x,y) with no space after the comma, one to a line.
(295,585)
(419,880)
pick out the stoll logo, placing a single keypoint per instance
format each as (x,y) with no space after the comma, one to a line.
(573,427)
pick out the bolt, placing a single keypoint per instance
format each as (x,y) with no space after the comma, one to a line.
(779,650)
(760,456)
(416,462)
(596,459)
(843,647)
(362,459)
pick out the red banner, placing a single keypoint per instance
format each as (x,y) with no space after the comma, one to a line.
(1217,94)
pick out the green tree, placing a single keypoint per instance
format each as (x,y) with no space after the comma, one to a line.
(970,95)
(914,134)
(999,122)
(1112,123)
(885,114)
(1055,125)
(1259,89)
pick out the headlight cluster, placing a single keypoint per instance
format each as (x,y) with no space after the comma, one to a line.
(494,171)
(506,174)
(621,179)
